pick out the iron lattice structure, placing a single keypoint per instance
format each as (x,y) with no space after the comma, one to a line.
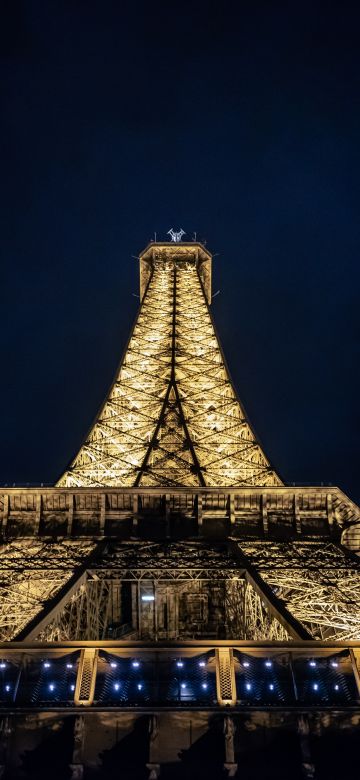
(172,416)
(33,572)
(171,542)
(317,581)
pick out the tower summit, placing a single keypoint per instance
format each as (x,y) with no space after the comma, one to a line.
(172,416)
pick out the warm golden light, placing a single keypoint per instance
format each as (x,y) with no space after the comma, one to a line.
(172,416)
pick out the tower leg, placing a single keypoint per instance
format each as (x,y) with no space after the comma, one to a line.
(229,731)
(77,765)
(6,730)
(152,765)
(308,768)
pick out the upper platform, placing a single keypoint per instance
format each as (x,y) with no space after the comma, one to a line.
(192,252)
(278,513)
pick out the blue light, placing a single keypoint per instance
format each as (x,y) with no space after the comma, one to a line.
(69,666)
(113,665)
(135,664)
(334,663)
(248,686)
(268,663)
(51,687)
(46,665)
(312,663)
(180,664)
(271,687)
(7,688)
(202,663)
(72,687)
(204,686)
(246,663)
(139,687)
(116,686)
(315,686)
(336,687)
(147,598)
(3,665)
(183,685)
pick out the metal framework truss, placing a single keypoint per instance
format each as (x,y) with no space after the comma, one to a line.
(271,588)
(318,582)
(172,417)
(172,444)
(94,604)
(85,616)
(171,560)
(33,571)
(89,613)
(248,615)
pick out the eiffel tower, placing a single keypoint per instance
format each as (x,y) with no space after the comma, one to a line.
(171,600)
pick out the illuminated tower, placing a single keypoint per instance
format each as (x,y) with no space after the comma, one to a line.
(172,416)
(170,575)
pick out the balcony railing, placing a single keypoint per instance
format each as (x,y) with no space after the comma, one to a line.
(132,676)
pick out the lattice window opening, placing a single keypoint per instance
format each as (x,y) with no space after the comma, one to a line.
(193,679)
(295,678)
(10,670)
(47,679)
(225,677)
(325,680)
(156,678)
(266,680)
(87,671)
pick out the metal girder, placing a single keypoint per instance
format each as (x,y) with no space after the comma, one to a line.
(33,572)
(249,615)
(84,615)
(171,560)
(299,589)
(38,578)
(267,596)
(61,598)
(317,582)
(88,612)
(174,575)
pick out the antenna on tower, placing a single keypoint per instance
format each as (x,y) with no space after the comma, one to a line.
(176,236)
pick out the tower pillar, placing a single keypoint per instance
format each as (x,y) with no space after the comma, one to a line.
(77,765)
(153,764)
(307,765)
(229,731)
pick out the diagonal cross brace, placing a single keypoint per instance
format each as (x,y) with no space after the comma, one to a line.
(275,605)
(55,605)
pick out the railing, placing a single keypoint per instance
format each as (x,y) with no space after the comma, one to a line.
(201,675)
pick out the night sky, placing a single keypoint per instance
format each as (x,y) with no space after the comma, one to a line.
(238,121)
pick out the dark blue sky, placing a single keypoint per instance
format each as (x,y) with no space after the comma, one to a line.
(239,121)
